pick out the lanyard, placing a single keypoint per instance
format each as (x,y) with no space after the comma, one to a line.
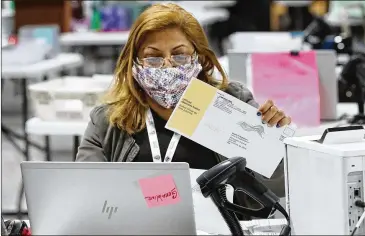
(155,147)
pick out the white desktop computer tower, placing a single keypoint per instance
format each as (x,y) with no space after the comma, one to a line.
(323,181)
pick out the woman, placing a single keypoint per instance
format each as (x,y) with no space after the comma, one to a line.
(166,44)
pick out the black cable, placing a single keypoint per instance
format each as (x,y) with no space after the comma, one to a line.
(359,222)
(360,203)
(229,217)
(286,229)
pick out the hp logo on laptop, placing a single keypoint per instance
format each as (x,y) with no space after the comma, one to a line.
(109,210)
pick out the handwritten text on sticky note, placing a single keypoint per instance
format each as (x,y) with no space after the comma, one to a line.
(159,191)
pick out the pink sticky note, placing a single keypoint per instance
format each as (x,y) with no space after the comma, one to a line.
(159,191)
(291,81)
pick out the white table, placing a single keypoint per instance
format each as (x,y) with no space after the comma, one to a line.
(42,69)
(5,43)
(203,15)
(64,61)
(76,129)
(39,127)
(247,226)
(205,11)
(94,38)
(349,109)
(24,73)
(341,59)
(7,13)
(198,232)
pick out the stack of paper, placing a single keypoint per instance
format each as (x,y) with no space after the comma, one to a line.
(264,226)
(257,227)
(291,81)
(265,233)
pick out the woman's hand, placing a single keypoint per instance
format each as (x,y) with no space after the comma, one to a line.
(271,115)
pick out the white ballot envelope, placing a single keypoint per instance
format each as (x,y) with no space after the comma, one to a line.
(228,126)
(207,216)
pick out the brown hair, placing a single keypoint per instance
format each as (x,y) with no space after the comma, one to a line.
(127,106)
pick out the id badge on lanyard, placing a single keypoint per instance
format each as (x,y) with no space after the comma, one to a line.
(155,147)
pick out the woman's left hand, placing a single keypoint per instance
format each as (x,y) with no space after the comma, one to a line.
(272,116)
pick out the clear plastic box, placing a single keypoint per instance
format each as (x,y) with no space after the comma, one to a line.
(67,98)
(50,34)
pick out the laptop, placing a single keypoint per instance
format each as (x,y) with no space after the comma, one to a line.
(326,62)
(81,198)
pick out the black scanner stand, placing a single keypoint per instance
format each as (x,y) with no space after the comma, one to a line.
(233,172)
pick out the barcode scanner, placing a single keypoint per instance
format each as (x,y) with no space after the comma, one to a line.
(233,172)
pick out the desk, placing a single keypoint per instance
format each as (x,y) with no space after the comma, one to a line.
(94,38)
(342,59)
(247,226)
(7,13)
(205,11)
(225,64)
(120,38)
(37,70)
(75,128)
(198,232)
(39,127)
(342,108)
(64,61)
(93,45)
(107,45)
(5,43)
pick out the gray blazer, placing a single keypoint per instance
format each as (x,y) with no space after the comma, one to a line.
(103,142)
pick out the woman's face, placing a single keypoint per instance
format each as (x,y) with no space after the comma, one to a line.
(164,44)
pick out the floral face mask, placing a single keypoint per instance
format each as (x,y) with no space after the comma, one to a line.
(166,85)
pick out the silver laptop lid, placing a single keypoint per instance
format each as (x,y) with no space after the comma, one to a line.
(108,198)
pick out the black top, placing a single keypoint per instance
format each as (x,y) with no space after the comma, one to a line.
(188,151)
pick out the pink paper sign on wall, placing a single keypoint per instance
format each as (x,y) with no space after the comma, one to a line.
(159,191)
(291,81)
